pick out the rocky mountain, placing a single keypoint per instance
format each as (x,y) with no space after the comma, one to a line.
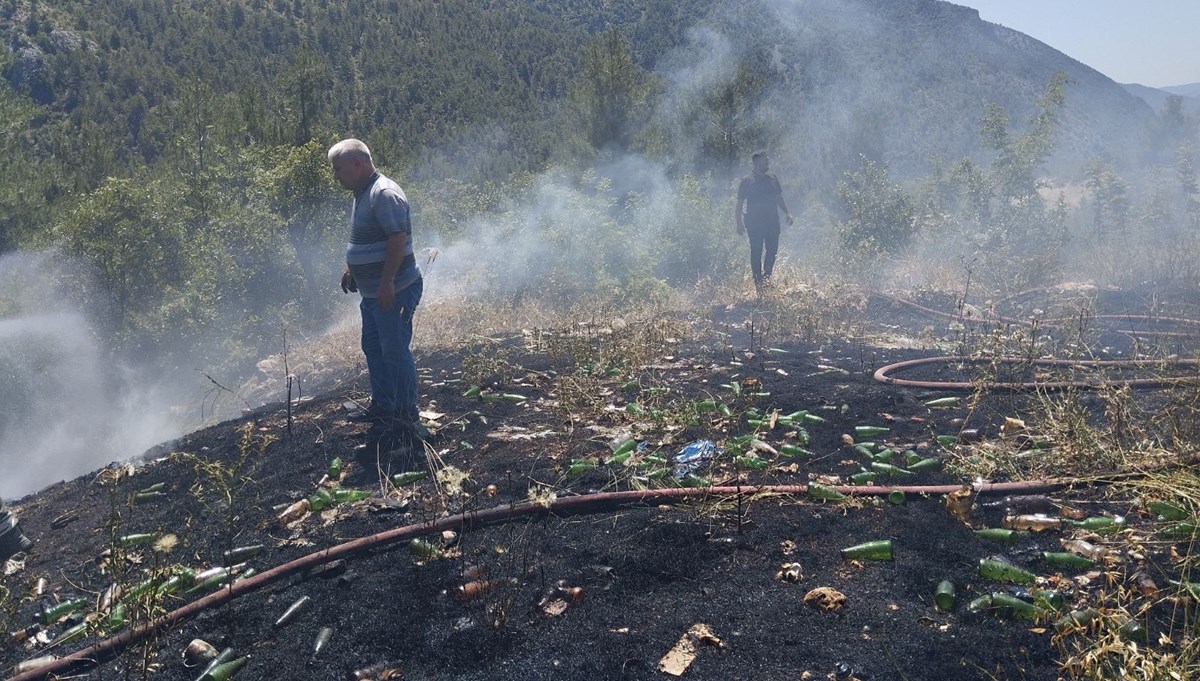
(824,80)
(910,79)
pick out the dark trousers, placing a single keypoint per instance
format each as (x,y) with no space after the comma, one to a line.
(764,244)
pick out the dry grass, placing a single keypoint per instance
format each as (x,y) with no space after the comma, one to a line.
(1095,434)
(1168,259)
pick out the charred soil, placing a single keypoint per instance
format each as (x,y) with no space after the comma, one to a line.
(604,595)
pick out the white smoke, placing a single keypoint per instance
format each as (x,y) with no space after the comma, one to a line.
(65,407)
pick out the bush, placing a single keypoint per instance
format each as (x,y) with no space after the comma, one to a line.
(880,217)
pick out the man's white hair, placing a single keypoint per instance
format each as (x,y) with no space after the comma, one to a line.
(350,148)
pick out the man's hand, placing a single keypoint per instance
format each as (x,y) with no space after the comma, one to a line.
(789,219)
(348,284)
(387,294)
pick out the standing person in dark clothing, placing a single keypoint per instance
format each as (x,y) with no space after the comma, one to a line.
(381,267)
(756,211)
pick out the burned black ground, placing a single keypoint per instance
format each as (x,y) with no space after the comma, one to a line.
(648,574)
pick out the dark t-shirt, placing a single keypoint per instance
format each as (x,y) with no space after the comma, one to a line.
(761,194)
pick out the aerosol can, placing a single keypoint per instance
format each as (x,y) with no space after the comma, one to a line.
(12,539)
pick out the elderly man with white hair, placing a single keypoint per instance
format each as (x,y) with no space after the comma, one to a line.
(380,266)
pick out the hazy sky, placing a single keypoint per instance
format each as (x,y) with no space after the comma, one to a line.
(1151,42)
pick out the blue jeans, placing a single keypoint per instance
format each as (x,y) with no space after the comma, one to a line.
(386,335)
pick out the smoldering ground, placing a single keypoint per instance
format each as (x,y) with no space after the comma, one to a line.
(66,406)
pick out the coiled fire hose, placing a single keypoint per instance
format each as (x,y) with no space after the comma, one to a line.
(884,374)
(1049,321)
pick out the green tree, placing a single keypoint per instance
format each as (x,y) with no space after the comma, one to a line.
(727,125)
(1185,171)
(307,82)
(299,189)
(608,99)
(22,203)
(692,238)
(1110,199)
(880,217)
(130,246)
(1014,172)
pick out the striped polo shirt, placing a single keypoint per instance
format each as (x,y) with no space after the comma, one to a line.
(380,210)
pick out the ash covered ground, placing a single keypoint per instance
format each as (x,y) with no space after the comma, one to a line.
(608,594)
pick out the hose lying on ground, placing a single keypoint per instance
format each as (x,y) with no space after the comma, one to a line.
(1049,321)
(883,374)
(578,505)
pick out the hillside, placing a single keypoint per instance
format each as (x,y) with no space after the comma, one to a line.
(903,81)
(1159,98)
(910,80)
(1188,90)
(163,176)
(525,547)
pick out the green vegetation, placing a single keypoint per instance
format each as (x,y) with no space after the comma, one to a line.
(174,153)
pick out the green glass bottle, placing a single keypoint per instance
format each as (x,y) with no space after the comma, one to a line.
(823,493)
(322,641)
(580,466)
(1190,588)
(241,554)
(424,549)
(181,580)
(1068,560)
(995,570)
(944,595)
(137,539)
(349,496)
(117,617)
(320,499)
(889,469)
(54,613)
(998,534)
(73,634)
(792,451)
(750,461)
(883,456)
(1015,607)
(872,550)
(1167,511)
(942,402)
(293,611)
(928,464)
(863,478)
(402,479)
(1077,619)
(211,579)
(1099,524)
(225,671)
